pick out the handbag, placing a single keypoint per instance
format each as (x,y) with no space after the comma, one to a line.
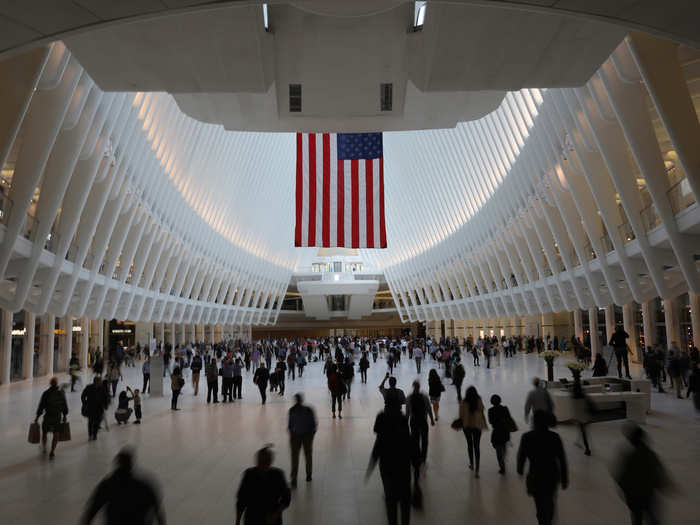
(34,435)
(64,432)
(456,424)
(510,424)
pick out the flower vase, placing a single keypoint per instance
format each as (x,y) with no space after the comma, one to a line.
(550,369)
(577,377)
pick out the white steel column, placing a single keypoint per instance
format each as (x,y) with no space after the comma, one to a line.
(28,348)
(5,346)
(673,322)
(46,338)
(593,326)
(630,326)
(100,337)
(694,300)
(65,343)
(649,323)
(609,322)
(84,341)
(578,323)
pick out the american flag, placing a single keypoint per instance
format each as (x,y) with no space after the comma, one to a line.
(340,190)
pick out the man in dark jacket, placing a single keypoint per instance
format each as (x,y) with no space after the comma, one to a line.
(394,451)
(348,368)
(212,381)
(261,377)
(619,343)
(548,468)
(127,498)
(196,367)
(263,493)
(458,377)
(302,429)
(54,407)
(95,401)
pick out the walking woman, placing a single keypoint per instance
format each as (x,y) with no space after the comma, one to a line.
(501,424)
(114,375)
(471,413)
(435,390)
(176,384)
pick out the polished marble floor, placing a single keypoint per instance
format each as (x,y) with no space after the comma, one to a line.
(198,454)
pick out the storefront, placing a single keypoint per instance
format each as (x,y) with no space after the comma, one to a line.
(121,333)
(18,336)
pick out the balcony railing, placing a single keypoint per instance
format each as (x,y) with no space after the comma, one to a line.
(680,196)
(626,232)
(650,219)
(5,208)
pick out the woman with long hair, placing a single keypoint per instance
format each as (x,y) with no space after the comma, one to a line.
(471,413)
(176,384)
(435,390)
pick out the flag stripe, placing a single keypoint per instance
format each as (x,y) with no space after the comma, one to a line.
(362,204)
(333,215)
(369,196)
(355,204)
(319,189)
(312,189)
(347,226)
(382,225)
(305,191)
(326,190)
(341,204)
(299,193)
(375,201)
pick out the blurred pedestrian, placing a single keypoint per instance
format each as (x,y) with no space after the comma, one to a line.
(55,409)
(544,451)
(640,475)
(263,493)
(502,425)
(127,498)
(302,425)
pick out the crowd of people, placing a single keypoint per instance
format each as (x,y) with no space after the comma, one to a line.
(401,429)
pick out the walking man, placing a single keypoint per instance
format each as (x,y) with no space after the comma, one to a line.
(54,407)
(260,378)
(418,410)
(619,343)
(127,498)
(263,493)
(146,369)
(95,401)
(196,367)
(545,452)
(458,377)
(418,356)
(212,381)
(302,427)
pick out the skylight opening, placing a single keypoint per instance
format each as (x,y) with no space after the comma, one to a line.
(419,9)
(266,18)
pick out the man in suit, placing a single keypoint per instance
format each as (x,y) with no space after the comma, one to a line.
(545,452)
